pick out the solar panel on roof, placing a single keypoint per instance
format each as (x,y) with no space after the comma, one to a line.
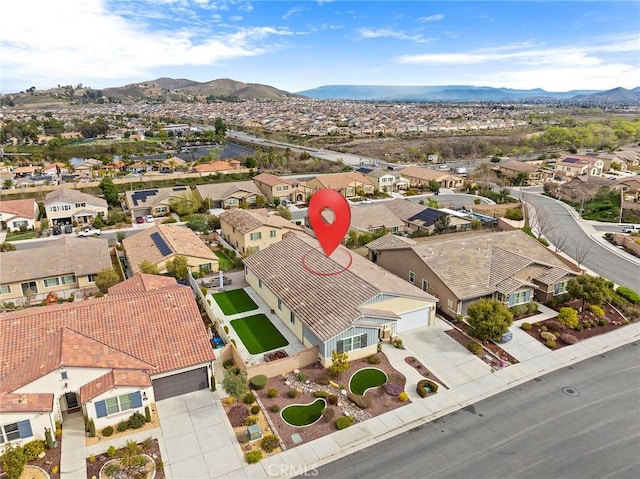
(429,216)
(364,170)
(162,246)
(571,160)
(180,188)
(142,196)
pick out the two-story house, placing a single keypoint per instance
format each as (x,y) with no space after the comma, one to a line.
(348,184)
(528,174)
(385,181)
(251,231)
(278,189)
(420,177)
(578,165)
(229,195)
(16,214)
(66,206)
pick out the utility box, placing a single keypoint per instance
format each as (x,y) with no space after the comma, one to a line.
(254,432)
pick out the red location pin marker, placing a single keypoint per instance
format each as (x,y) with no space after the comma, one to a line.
(329,234)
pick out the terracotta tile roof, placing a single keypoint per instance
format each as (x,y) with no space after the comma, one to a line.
(245,221)
(220,191)
(160,327)
(68,255)
(213,166)
(26,403)
(22,208)
(74,196)
(117,377)
(326,304)
(143,282)
(337,181)
(179,240)
(270,180)
(519,166)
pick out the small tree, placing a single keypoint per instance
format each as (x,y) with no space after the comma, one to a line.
(284,212)
(339,363)
(110,191)
(568,317)
(148,267)
(178,267)
(489,319)
(13,461)
(106,279)
(235,385)
(590,289)
(6,246)
(434,186)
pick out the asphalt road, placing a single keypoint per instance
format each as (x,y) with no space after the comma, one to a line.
(579,422)
(563,227)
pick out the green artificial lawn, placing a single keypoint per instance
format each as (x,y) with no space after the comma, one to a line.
(365,379)
(298,415)
(258,334)
(234,302)
(20,235)
(224,263)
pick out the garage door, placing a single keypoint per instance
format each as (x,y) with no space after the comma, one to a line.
(181,383)
(413,320)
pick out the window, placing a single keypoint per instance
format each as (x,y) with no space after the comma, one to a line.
(449,304)
(560,288)
(279,304)
(16,430)
(205,268)
(68,279)
(259,283)
(394,229)
(412,277)
(519,297)
(255,236)
(66,207)
(352,343)
(425,285)
(118,404)
(272,234)
(5,289)
(64,375)
(51,282)
(292,318)
(29,286)
(278,188)
(54,209)
(91,277)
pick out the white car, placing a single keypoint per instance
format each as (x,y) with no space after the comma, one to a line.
(631,229)
(367,201)
(149,219)
(89,232)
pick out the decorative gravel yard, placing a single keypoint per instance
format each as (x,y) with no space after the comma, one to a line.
(365,379)
(234,302)
(304,414)
(258,334)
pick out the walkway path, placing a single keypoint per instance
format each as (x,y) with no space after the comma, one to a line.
(74,452)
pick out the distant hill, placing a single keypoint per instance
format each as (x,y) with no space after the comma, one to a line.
(465,93)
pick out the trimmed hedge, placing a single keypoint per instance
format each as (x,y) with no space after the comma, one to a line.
(628,294)
(259,382)
(474,347)
(526,326)
(421,388)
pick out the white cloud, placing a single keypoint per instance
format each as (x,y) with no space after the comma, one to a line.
(292,12)
(431,18)
(390,33)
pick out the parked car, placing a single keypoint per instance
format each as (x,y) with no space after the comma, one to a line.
(631,229)
(139,220)
(68,229)
(149,219)
(57,230)
(367,201)
(506,337)
(89,232)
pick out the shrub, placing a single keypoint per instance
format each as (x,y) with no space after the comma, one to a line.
(292,393)
(551,344)
(249,398)
(272,393)
(136,421)
(332,399)
(543,328)
(421,388)
(323,380)
(122,426)
(552,303)
(302,377)
(107,431)
(147,443)
(518,310)
(92,458)
(532,307)
(398,343)
(110,470)
(259,382)
(237,415)
(147,412)
(373,359)
(328,414)
(553,325)
(254,456)
(403,396)
(229,362)
(568,338)
(33,449)
(226,330)
(321,394)
(250,421)
(275,408)
(526,326)
(579,327)
(363,402)
(343,422)
(393,388)
(269,442)
(255,409)
(13,461)
(568,317)
(92,428)
(597,310)
(111,451)
(474,347)
(628,294)
(547,336)
(602,322)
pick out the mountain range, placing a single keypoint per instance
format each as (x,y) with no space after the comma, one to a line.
(184,90)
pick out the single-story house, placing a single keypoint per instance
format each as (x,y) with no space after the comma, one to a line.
(155,202)
(509,266)
(418,217)
(339,303)
(348,184)
(63,266)
(418,176)
(161,243)
(528,173)
(229,195)
(17,213)
(67,205)
(105,358)
(374,217)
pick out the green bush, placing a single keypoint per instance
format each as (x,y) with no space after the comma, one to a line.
(328,414)
(321,394)
(34,448)
(269,442)
(111,450)
(229,362)
(107,431)
(254,456)
(302,377)
(249,398)
(474,347)
(597,310)
(250,421)
(421,388)
(568,317)
(111,469)
(579,327)
(13,461)
(332,399)
(602,322)
(292,393)
(551,344)
(547,336)
(552,303)
(272,393)
(532,307)
(136,421)
(343,423)
(373,359)
(259,382)
(628,294)
(255,409)
(526,326)
(363,402)
(323,380)
(122,426)
(519,310)
(92,428)
(275,408)
(543,328)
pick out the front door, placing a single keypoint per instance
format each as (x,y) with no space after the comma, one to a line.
(72,400)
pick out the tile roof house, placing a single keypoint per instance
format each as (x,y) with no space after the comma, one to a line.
(375,217)
(251,231)
(67,205)
(229,195)
(348,184)
(273,187)
(154,202)
(528,173)
(578,165)
(17,213)
(419,176)
(106,357)
(339,303)
(162,243)
(579,190)
(386,181)
(509,266)
(63,266)
(221,167)
(417,217)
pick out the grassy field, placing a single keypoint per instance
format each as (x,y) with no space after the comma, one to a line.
(224,263)
(258,334)
(299,415)
(17,235)
(234,302)
(365,379)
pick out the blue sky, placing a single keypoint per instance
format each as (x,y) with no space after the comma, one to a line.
(299,45)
